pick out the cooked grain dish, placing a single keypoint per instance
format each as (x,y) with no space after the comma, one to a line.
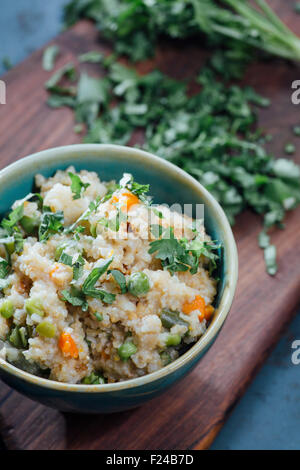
(99,285)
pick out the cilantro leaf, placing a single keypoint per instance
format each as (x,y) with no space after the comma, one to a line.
(4,268)
(50,223)
(13,218)
(66,259)
(138,189)
(75,297)
(4,271)
(120,279)
(49,56)
(91,56)
(89,288)
(77,186)
(270,259)
(67,70)
(171,253)
(78,268)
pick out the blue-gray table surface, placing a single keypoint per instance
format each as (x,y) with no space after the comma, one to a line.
(268,415)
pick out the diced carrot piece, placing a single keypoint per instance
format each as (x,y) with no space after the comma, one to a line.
(114,199)
(68,346)
(132,199)
(127,200)
(56,267)
(197,304)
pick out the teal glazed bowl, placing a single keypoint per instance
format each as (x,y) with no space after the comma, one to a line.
(169,185)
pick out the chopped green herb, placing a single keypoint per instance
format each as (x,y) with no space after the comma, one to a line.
(75,297)
(89,288)
(51,222)
(67,70)
(157,213)
(13,218)
(78,268)
(4,268)
(91,56)
(77,186)
(49,56)
(29,224)
(93,379)
(212,134)
(171,253)
(290,149)
(136,188)
(78,128)
(120,279)
(263,239)
(270,259)
(296,130)
(66,259)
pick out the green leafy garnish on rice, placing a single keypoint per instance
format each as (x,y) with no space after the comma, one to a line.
(77,186)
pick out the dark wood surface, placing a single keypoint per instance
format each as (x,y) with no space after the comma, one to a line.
(189,415)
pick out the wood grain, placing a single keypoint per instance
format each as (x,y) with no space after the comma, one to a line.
(191,414)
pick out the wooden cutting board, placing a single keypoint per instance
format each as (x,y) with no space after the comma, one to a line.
(190,414)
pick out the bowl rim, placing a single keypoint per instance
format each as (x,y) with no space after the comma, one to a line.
(58,154)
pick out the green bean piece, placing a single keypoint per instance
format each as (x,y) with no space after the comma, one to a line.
(29,224)
(10,248)
(98,316)
(171,318)
(47,329)
(173,340)
(34,306)
(93,230)
(23,336)
(15,338)
(7,309)
(138,284)
(93,379)
(127,350)
(165,358)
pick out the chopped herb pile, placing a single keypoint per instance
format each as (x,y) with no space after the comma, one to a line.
(135,26)
(211,135)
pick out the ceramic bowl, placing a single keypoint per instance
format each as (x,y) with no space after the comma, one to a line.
(168,185)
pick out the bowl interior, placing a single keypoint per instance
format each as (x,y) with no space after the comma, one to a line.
(166,186)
